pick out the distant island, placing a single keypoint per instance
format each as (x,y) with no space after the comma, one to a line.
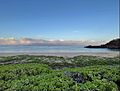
(113,44)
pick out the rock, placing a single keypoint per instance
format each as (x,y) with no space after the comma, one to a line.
(78,77)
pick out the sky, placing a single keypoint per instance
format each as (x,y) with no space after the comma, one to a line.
(59,19)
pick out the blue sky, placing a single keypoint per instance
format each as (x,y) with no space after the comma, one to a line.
(59,19)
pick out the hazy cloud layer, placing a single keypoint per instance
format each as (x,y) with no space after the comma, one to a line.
(30,41)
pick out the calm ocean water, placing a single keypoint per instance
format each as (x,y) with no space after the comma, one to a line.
(45,49)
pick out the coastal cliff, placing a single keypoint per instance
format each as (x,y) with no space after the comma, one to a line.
(113,44)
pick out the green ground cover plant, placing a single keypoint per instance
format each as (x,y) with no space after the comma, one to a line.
(39,74)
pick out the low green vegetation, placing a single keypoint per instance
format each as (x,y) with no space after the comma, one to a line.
(60,62)
(50,73)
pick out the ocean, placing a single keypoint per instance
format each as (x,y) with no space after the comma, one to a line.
(48,49)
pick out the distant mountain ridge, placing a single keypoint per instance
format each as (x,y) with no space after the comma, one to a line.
(113,44)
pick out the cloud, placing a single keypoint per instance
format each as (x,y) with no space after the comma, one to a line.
(8,41)
(30,41)
(75,31)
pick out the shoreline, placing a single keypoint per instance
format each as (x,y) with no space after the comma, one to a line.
(66,54)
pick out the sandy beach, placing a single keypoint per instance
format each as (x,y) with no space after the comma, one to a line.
(66,54)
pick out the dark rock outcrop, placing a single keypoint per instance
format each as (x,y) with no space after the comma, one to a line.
(114,44)
(78,77)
